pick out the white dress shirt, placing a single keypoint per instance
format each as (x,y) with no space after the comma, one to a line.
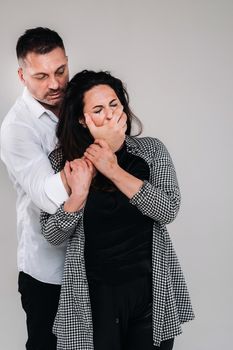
(27,138)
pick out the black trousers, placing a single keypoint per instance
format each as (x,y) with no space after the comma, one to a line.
(40,302)
(122,316)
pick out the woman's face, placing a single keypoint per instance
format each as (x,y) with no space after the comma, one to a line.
(100,102)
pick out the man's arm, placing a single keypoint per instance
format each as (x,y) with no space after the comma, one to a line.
(23,154)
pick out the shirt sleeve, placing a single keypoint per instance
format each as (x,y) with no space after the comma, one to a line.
(58,227)
(29,166)
(159,198)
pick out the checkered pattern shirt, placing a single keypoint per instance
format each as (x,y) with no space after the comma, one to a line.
(158,198)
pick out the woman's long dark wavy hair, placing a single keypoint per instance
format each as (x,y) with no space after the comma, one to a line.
(73,137)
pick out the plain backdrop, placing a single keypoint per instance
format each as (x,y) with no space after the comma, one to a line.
(176,58)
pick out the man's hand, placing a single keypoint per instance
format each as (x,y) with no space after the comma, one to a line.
(113,131)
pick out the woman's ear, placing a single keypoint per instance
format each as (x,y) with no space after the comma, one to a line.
(82,122)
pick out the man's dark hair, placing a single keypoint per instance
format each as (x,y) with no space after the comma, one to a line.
(39,40)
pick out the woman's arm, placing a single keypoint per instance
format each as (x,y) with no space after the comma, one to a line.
(58,227)
(159,199)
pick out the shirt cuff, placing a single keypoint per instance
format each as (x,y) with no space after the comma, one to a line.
(55,189)
(143,192)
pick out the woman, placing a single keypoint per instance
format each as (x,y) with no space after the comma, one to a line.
(122,286)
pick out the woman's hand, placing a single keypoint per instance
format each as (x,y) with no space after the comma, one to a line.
(79,174)
(105,161)
(102,157)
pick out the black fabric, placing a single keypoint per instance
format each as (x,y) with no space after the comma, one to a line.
(118,237)
(122,316)
(40,302)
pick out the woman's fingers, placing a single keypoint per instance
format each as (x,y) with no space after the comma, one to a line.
(102,143)
(91,167)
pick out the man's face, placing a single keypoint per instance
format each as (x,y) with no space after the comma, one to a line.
(45,76)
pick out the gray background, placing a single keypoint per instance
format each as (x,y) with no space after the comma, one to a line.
(176,58)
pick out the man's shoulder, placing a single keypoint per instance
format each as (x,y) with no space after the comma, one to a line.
(17,113)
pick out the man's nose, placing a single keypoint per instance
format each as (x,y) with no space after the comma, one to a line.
(53,83)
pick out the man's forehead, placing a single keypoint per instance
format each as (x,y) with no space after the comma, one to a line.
(49,61)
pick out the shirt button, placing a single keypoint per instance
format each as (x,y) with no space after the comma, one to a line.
(117,320)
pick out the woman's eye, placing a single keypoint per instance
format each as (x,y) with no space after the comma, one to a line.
(98,111)
(114,105)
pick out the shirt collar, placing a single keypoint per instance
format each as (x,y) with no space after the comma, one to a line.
(35,107)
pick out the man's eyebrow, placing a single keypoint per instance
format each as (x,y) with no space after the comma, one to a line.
(43,73)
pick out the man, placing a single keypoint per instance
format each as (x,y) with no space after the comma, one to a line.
(27,138)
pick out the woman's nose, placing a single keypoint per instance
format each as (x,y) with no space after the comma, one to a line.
(109,113)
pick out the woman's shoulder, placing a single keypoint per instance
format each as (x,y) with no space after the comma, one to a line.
(56,159)
(153,146)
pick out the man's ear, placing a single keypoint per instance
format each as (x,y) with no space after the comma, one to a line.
(20,74)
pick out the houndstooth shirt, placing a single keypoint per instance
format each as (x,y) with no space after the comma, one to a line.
(158,198)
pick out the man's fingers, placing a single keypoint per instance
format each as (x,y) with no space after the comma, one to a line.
(123,120)
(118,112)
(119,109)
(91,126)
(117,115)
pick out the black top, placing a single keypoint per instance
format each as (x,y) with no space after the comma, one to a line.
(118,237)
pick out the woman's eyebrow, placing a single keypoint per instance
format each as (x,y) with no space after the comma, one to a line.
(98,106)
(115,99)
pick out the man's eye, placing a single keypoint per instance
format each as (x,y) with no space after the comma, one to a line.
(60,72)
(40,77)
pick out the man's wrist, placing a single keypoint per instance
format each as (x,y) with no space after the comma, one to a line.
(116,146)
(64,181)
